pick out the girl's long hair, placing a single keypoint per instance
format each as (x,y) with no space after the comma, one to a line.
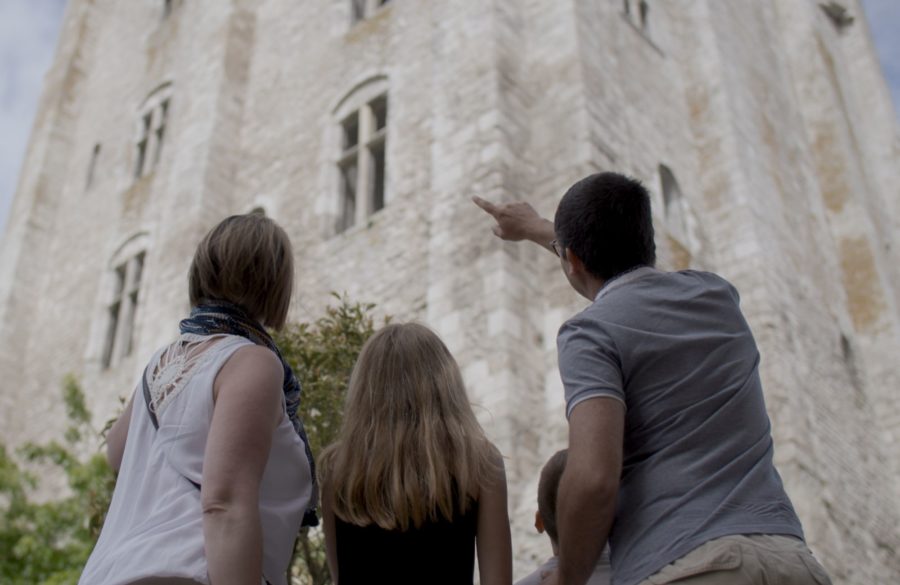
(410,449)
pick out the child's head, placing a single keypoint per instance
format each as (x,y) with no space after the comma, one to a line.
(548,487)
(405,375)
(410,448)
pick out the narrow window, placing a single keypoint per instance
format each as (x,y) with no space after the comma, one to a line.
(142,143)
(167,8)
(357,10)
(115,306)
(92,166)
(670,189)
(363,9)
(349,165)
(376,190)
(838,15)
(627,7)
(644,9)
(136,269)
(161,115)
(122,309)
(376,147)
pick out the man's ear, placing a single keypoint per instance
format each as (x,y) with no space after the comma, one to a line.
(539,522)
(576,264)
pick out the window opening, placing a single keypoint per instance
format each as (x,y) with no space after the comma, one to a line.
(154,119)
(644,9)
(142,145)
(838,14)
(363,9)
(122,309)
(92,166)
(358,9)
(362,163)
(161,118)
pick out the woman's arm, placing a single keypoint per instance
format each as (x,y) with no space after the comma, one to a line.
(115,438)
(328,527)
(247,409)
(492,539)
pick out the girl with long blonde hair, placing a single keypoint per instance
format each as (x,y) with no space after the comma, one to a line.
(412,486)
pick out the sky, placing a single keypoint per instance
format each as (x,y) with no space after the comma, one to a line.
(29,30)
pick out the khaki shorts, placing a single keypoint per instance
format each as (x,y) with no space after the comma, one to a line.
(745,559)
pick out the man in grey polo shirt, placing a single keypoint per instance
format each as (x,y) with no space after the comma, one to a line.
(670,451)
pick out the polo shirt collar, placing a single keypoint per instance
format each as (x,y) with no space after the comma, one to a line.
(623,278)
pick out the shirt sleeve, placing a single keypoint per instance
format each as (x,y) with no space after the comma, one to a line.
(588,363)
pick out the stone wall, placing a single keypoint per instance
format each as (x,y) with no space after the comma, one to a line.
(776,126)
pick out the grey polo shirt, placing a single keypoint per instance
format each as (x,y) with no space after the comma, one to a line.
(675,348)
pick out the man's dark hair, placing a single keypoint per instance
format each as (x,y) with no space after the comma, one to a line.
(548,487)
(605,220)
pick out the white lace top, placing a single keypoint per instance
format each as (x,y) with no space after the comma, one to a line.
(154,527)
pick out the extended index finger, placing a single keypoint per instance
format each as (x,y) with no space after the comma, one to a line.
(485,205)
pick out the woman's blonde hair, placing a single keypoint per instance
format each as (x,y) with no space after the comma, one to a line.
(409,449)
(246,260)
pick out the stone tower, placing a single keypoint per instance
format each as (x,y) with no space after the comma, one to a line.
(764,130)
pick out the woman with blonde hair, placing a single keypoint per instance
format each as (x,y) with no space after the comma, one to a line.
(215,475)
(412,486)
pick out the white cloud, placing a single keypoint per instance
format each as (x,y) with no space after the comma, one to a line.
(28,34)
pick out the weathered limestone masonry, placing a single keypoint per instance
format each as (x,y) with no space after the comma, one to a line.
(763,129)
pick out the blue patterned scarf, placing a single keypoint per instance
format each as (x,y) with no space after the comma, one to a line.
(216,318)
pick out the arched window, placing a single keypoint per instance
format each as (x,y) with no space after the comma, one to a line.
(126,272)
(362,124)
(153,116)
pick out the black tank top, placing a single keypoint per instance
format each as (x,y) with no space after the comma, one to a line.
(440,552)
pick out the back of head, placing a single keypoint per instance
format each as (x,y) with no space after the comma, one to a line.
(410,448)
(246,260)
(548,488)
(605,220)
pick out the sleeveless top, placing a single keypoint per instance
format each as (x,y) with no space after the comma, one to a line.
(438,553)
(154,527)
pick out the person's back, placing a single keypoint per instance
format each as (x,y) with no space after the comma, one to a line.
(215,473)
(154,526)
(697,454)
(440,551)
(670,452)
(412,487)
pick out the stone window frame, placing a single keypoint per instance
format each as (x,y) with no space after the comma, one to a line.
(126,271)
(361,10)
(152,121)
(361,125)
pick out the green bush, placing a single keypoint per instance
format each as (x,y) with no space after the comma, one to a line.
(48,542)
